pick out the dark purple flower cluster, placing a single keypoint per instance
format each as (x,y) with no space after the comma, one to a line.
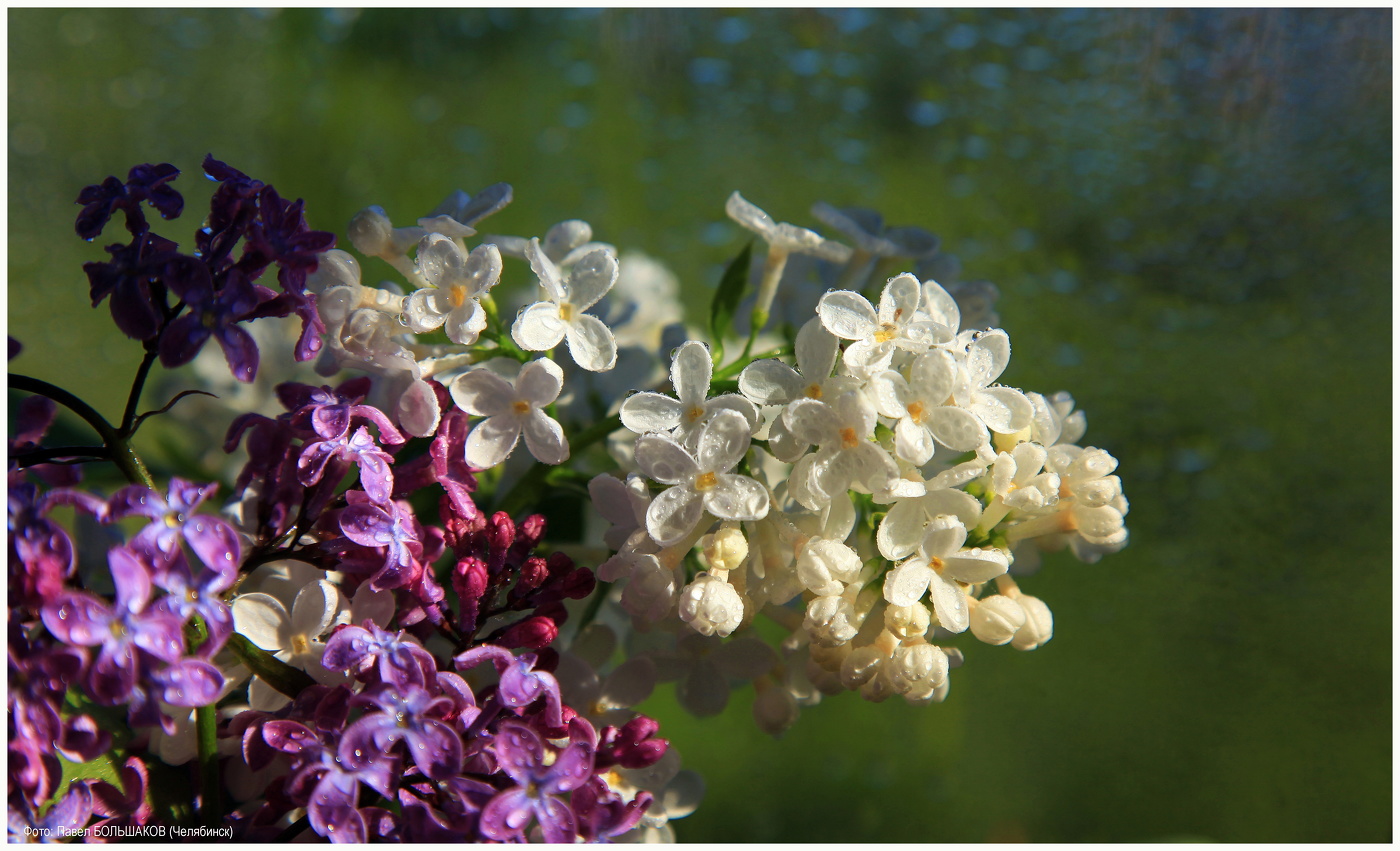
(215,292)
(416,722)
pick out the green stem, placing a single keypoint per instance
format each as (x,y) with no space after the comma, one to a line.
(129,415)
(123,455)
(527,489)
(206,732)
(594,605)
(271,670)
(744,360)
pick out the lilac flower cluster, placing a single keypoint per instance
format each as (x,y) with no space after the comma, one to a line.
(409,693)
(217,293)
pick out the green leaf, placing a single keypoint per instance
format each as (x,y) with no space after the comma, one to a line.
(727,298)
(269,668)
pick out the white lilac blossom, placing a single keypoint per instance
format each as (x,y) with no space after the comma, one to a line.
(783,239)
(691,408)
(510,410)
(456,284)
(544,324)
(700,481)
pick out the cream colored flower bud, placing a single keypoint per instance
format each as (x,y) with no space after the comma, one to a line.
(372,233)
(996,619)
(334,268)
(1039,625)
(829,658)
(725,549)
(863,664)
(830,621)
(878,688)
(917,667)
(823,567)
(827,682)
(774,710)
(907,621)
(711,606)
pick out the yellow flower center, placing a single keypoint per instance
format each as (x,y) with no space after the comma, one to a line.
(916,412)
(566,312)
(695,413)
(521,407)
(848,438)
(886,333)
(457,296)
(706,481)
(300,644)
(813,391)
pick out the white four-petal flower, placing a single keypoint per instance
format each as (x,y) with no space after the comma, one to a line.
(457,281)
(943,569)
(510,410)
(542,325)
(700,481)
(684,414)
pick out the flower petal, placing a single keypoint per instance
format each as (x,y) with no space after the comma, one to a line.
(723,441)
(737,498)
(544,437)
(483,393)
(691,371)
(540,381)
(591,278)
(663,460)
(646,412)
(315,608)
(465,323)
(591,343)
(492,441)
(262,619)
(950,604)
(673,513)
(906,584)
(538,327)
(847,314)
(771,382)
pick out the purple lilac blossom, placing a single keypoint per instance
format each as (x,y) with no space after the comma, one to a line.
(126,632)
(173,518)
(520,752)
(211,313)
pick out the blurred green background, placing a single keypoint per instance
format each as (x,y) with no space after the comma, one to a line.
(1188,215)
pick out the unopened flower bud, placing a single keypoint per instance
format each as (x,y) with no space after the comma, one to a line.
(830,620)
(725,549)
(650,591)
(711,606)
(827,682)
(1039,625)
(917,666)
(907,621)
(878,688)
(829,658)
(372,233)
(532,633)
(824,566)
(861,665)
(333,268)
(996,619)
(774,710)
